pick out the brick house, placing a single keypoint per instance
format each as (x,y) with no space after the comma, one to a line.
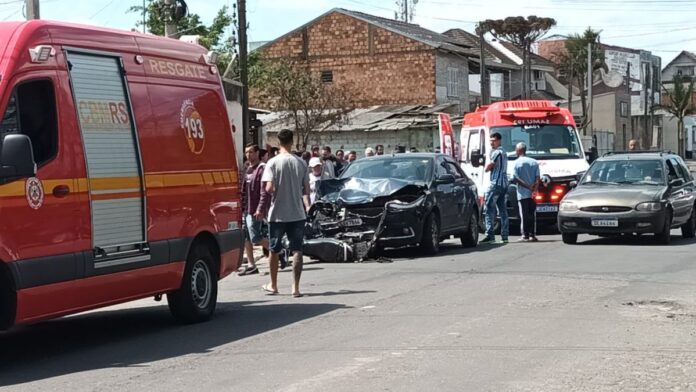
(380,61)
(385,62)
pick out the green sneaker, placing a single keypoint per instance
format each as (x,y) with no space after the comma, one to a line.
(487,240)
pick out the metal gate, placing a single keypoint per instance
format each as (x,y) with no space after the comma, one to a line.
(114,169)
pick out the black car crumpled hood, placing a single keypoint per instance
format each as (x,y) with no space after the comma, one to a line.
(353,190)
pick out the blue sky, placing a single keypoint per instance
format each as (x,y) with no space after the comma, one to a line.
(662,26)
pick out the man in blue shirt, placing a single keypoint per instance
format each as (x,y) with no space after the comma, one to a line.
(527,178)
(495,197)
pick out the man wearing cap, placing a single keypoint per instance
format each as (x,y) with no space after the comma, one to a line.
(315,169)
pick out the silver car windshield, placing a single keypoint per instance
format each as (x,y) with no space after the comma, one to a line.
(630,172)
(546,141)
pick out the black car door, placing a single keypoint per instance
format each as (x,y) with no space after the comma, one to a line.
(445,196)
(462,198)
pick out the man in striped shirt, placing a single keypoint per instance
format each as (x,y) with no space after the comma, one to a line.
(495,197)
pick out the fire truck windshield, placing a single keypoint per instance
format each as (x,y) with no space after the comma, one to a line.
(547,141)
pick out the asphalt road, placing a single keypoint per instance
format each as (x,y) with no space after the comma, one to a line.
(606,315)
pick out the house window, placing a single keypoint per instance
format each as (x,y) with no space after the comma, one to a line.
(537,75)
(624,109)
(452,82)
(327,76)
(685,71)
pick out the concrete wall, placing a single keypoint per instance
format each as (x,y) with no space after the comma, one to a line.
(443,62)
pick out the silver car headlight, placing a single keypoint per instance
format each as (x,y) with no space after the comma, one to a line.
(568,206)
(649,206)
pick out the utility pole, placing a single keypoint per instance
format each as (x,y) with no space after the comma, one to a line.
(485,99)
(630,100)
(244,70)
(406,11)
(169,25)
(570,87)
(589,90)
(144,12)
(32,7)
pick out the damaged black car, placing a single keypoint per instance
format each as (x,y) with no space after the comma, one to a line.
(389,202)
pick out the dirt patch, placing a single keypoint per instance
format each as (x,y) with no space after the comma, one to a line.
(662,308)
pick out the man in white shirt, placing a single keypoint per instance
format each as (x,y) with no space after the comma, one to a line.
(315,168)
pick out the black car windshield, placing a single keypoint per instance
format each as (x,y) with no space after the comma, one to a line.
(631,172)
(545,141)
(402,168)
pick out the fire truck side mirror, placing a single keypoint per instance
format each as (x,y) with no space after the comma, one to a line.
(16,157)
(477,158)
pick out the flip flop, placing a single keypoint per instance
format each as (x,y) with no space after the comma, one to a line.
(297,295)
(269,291)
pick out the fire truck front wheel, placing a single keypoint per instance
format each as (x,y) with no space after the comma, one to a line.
(196,299)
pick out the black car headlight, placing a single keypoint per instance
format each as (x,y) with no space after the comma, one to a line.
(398,205)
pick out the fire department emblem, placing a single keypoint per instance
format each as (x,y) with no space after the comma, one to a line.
(192,126)
(35,193)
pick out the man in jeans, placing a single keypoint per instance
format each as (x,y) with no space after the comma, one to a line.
(253,217)
(286,180)
(495,197)
(527,179)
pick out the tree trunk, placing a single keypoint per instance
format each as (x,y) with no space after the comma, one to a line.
(680,137)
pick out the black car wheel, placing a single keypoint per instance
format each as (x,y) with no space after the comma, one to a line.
(470,237)
(430,240)
(663,237)
(689,228)
(570,238)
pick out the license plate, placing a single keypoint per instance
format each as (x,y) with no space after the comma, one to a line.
(547,208)
(605,222)
(361,249)
(351,222)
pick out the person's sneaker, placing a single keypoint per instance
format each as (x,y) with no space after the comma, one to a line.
(283,256)
(249,270)
(534,239)
(523,239)
(505,241)
(487,240)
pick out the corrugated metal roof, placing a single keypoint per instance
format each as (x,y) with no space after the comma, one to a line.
(376,118)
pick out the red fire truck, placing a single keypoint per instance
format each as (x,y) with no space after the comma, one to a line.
(551,138)
(118,178)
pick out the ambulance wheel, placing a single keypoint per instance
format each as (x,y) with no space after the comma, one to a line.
(196,299)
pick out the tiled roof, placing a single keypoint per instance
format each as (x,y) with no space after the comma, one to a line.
(492,54)
(414,31)
(535,58)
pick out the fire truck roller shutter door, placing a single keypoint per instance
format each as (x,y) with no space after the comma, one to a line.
(111,149)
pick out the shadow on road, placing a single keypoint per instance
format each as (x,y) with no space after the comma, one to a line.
(452,248)
(635,240)
(134,337)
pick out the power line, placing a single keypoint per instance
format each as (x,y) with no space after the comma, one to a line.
(102,9)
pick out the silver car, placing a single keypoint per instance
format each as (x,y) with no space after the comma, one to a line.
(631,193)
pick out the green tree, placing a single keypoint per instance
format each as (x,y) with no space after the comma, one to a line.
(572,64)
(212,36)
(680,100)
(299,95)
(523,33)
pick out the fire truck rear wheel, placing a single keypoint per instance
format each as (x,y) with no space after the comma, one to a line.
(196,299)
